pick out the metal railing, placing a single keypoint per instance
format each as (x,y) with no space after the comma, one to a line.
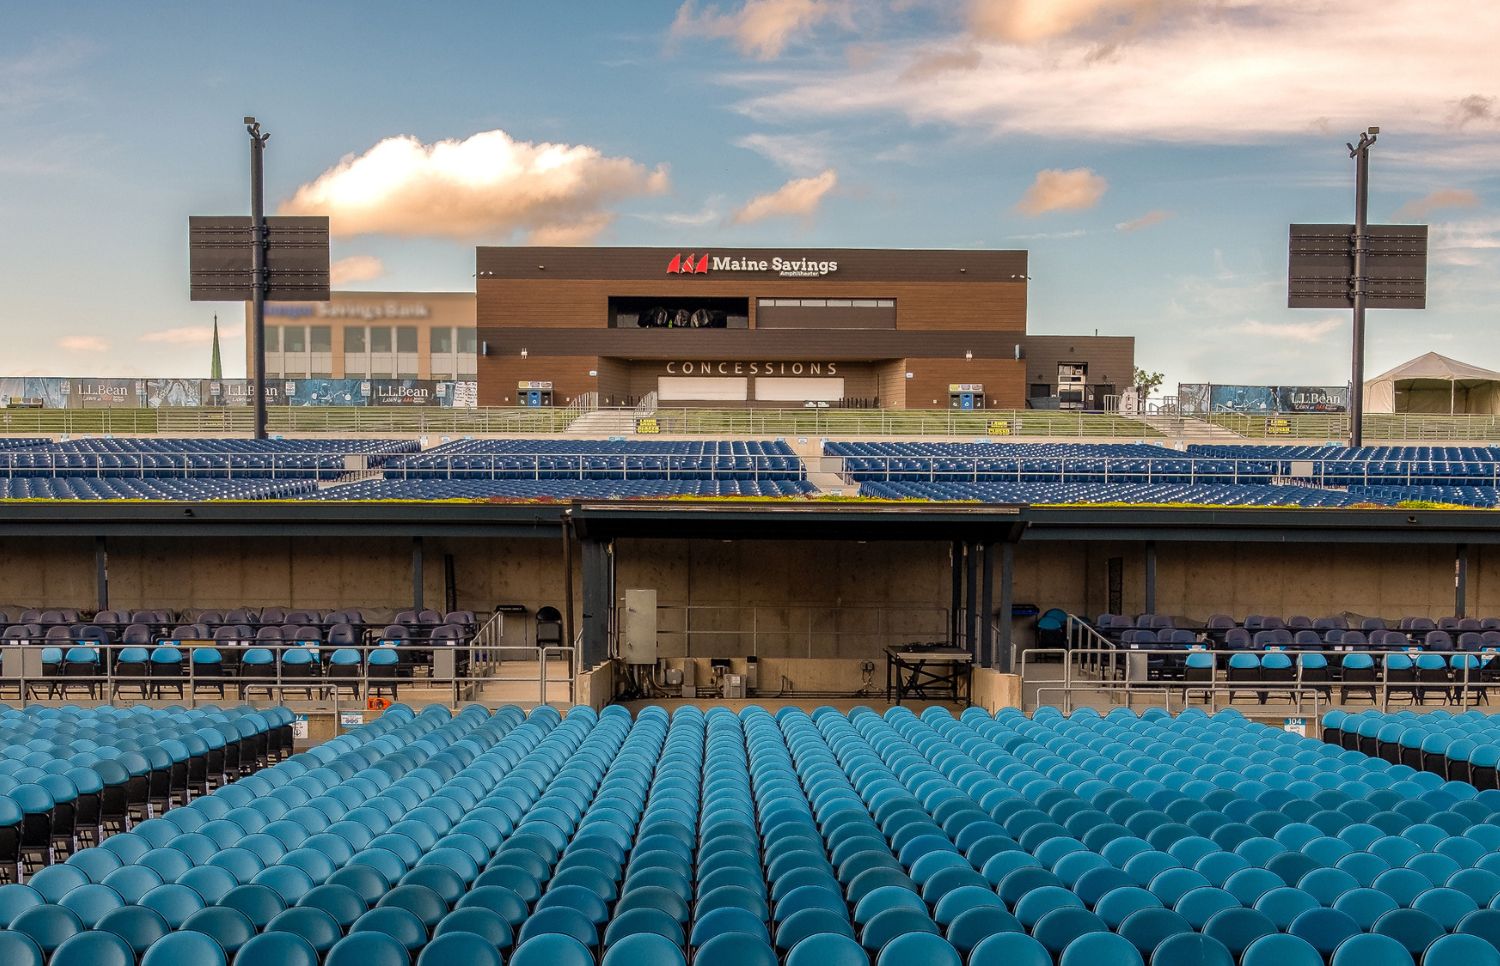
(1377,426)
(462,673)
(695,630)
(1124,675)
(189,464)
(1172,468)
(552,466)
(743,421)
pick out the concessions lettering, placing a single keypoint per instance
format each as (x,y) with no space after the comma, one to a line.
(753,368)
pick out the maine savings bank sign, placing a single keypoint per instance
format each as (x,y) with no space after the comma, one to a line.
(695,264)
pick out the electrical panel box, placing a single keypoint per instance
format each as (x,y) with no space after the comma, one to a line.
(638,643)
(734,685)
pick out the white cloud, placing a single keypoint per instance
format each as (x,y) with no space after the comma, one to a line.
(1029,21)
(355,268)
(1153,217)
(1056,190)
(1230,71)
(1419,208)
(488,185)
(798,153)
(1309,332)
(82,343)
(761,28)
(800,196)
(192,335)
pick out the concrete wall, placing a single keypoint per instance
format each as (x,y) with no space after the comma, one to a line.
(801,598)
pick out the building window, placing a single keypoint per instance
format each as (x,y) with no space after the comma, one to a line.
(380,338)
(354,340)
(294,338)
(273,338)
(467,341)
(406,338)
(320,338)
(767,303)
(1039,390)
(442,340)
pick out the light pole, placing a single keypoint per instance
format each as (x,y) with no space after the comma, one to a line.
(259,281)
(1361,154)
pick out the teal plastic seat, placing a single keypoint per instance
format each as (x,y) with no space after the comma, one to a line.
(277,949)
(827,950)
(49,926)
(460,949)
(368,949)
(85,949)
(1280,950)
(1101,948)
(228,927)
(644,949)
(184,949)
(550,950)
(733,950)
(918,949)
(1370,949)
(1009,949)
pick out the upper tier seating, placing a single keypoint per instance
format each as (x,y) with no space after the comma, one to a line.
(558,489)
(152,488)
(198,458)
(817,840)
(543,459)
(1202,494)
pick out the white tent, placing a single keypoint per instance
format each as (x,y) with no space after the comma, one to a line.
(1432,383)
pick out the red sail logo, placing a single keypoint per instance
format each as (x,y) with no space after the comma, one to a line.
(693,264)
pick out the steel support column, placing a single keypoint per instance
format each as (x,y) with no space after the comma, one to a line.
(1007,578)
(598,598)
(101,573)
(971,601)
(417,577)
(1150,577)
(987,609)
(955,609)
(1461,581)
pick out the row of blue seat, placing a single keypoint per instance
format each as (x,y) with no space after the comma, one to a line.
(1201,494)
(127,488)
(591,489)
(166,458)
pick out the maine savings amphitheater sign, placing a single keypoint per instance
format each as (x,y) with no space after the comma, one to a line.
(695,264)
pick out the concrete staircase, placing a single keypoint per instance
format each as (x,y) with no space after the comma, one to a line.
(603,422)
(1189,427)
(819,474)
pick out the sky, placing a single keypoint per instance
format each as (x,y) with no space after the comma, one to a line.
(1148,153)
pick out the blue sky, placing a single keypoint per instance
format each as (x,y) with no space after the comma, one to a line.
(1148,153)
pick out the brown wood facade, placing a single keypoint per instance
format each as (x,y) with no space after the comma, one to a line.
(544,314)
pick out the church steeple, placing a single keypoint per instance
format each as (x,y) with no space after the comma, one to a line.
(215,366)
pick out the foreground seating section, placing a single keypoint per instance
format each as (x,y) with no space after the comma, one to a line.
(817,839)
(76,775)
(1463,747)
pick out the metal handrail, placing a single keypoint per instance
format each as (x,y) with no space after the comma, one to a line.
(21,668)
(742,421)
(1113,678)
